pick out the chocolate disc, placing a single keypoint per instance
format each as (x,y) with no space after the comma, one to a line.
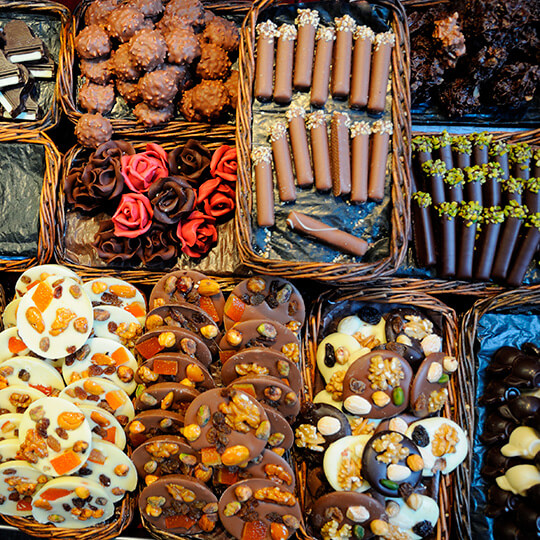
(412,353)
(16,399)
(9,448)
(281,434)
(104,426)
(265,297)
(148,424)
(170,396)
(116,323)
(9,426)
(336,352)
(33,372)
(31,277)
(502,360)
(238,501)
(420,521)
(389,460)
(398,423)
(12,345)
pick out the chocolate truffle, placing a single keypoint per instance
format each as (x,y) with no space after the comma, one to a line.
(151,117)
(170,22)
(98,71)
(147,48)
(96,98)
(183,45)
(191,11)
(158,88)
(123,22)
(231,84)
(93,130)
(92,42)
(122,64)
(204,102)
(129,91)
(149,8)
(98,11)
(214,62)
(223,33)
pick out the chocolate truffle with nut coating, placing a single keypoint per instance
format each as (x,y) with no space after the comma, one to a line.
(122,64)
(98,71)
(147,48)
(214,62)
(221,32)
(129,91)
(158,88)
(93,130)
(183,45)
(98,11)
(92,42)
(150,117)
(205,102)
(123,22)
(96,98)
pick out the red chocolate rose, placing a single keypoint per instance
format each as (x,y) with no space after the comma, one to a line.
(115,250)
(224,164)
(133,216)
(140,171)
(197,234)
(216,198)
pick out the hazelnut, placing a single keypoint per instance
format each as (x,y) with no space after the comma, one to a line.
(233,337)
(189,346)
(431,344)
(435,372)
(273,393)
(450,364)
(167,339)
(82,492)
(414,501)
(256,284)
(415,462)
(243,493)
(192,432)
(121,470)
(209,331)
(380,398)
(154,321)
(358,514)
(357,405)
(379,527)
(342,355)
(194,373)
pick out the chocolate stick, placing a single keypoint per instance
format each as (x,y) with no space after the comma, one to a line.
(474,178)
(536,162)
(340,240)
(380,142)
(532,197)
(360,132)
(422,148)
(264,185)
(520,160)
(264,68)
(298,136)
(434,172)
(424,240)
(341,67)
(491,190)
(361,65)
(447,256)
(307,21)
(443,144)
(284,63)
(526,251)
(470,213)
(462,149)
(454,179)
(320,150)
(492,219)
(512,190)
(380,70)
(321,68)
(480,143)
(340,153)
(498,152)
(282,162)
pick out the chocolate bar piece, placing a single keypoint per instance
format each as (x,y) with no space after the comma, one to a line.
(422,148)
(42,69)
(21,44)
(284,64)
(9,72)
(474,179)
(299,143)
(340,240)
(13,98)
(29,112)
(282,162)
(307,21)
(360,132)
(264,68)
(491,189)
(435,172)
(320,150)
(340,153)
(264,185)
(380,69)
(321,69)
(361,65)
(454,179)
(380,142)
(341,68)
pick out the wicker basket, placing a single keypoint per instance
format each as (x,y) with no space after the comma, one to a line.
(128,126)
(451,498)
(42,7)
(331,272)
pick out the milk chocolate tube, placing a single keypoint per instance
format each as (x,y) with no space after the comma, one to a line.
(380,143)
(361,66)
(341,67)
(321,69)
(284,63)
(264,185)
(299,143)
(339,240)
(360,132)
(264,67)
(320,150)
(282,162)
(340,153)
(307,21)
(380,70)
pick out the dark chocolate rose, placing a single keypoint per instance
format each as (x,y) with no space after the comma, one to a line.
(115,250)
(133,216)
(172,197)
(216,198)
(191,160)
(158,246)
(224,164)
(197,234)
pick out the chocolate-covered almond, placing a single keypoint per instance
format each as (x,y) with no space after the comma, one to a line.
(170,396)
(148,424)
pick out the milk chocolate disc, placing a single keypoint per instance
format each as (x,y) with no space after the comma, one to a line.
(152,423)
(170,396)
(261,500)
(389,460)
(179,504)
(281,434)
(265,297)
(262,361)
(191,287)
(170,339)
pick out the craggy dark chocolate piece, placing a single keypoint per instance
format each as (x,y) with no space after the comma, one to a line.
(169,396)
(96,98)
(20,43)
(93,129)
(151,423)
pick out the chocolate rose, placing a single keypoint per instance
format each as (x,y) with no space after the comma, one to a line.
(115,250)
(191,160)
(158,246)
(133,216)
(197,234)
(171,197)
(224,163)
(216,198)
(141,170)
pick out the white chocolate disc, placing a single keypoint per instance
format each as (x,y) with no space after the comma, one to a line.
(17,398)
(9,317)
(31,277)
(34,372)
(68,441)
(117,324)
(104,426)
(9,426)
(407,518)
(61,324)
(337,340)
(55,502)
(11,344)
(355,325)
(8,450)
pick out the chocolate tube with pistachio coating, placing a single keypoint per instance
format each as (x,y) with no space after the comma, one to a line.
(434,172)
(422,150)
(341,65)
(424,240)
(361,66)
(498,152)
(360,132)
(491,189)
(454,180)
(512,190)
(380,143)
(536,163)
(520,160)
(298,136)
(340,153)
(443,145)
(282,162)
(474,179)
(447,255)
(307,21)
(264,185)
(480,147)
(380,71)
(492,219)
(264,67)
(284,63)
(320,150)
(462,150)
(526,251)
(471,213)
(532,195)
(339,240)
(321,68)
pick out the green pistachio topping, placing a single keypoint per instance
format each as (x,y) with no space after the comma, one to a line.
(448,209)
(498,148)
(470,212)
(462,144)
(493,171)
(422,144)
(533,184)
(481,139)
(454,177)
(515,210)
(433,167)
(475,174)
(444,139)
(533,221)
(513,185)
(536,156)
(422,198)
(492,214)
(521,153)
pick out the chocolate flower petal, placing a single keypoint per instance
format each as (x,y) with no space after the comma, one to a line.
(172,197)
(191,160)
(158,246)
(197,234)
(114,250)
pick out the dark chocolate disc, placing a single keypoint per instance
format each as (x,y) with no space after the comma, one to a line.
(179,504)
(148,424)
(169,396)
(262,361)
(414,353)
(259,507)
(191,287)
(397,423)
(389,460)
(265,297)
(281,434)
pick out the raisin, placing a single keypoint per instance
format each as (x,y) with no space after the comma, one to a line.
(357,386)
(41,427)
(58,292)
(257,299)
(66,507)
(112,327)
(405,490)
(94,371)
(274,286)
(24,375)
(14,496)
(84,471)
(271,300)
(420,436)
(329,356)
(423,529)
(111,299)
(104,480)
(77,502)
(369,314)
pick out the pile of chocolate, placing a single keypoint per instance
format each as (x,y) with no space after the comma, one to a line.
(511,434)
(481,198)
(373,440)
(23,60)
(159,58)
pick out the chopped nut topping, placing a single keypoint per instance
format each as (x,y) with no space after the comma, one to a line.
(330,531)
(240,413)
(275,494)
(437,400)
(349,472)
(444,441)
(251,369)
(417,327)
(361,426)
(369,342)
(291,351)
(385,373)
(335,384)
(308,437)
(392,451)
